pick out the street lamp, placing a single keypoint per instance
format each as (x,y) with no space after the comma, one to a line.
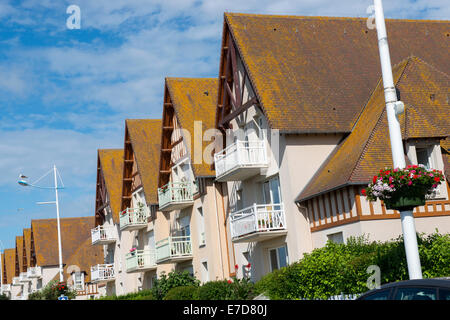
(393,108)
(24,183)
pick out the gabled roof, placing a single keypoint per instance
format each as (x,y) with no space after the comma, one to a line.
(27,244)
(74,232)
(111,162)
(315,74)
(19,251)
(85,256)
(10,264)
(195,99)
(145,140)
(367,148)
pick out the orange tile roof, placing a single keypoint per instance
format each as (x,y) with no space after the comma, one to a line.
(146,143)
(74,231)
(10,264)
(195,99)
(85,256)
(27,244)
(367,148)
(314,74)
(111,162)
(19,252)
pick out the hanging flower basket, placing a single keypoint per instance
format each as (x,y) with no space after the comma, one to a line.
(403,189)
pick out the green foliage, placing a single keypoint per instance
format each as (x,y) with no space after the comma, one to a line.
(52,291)
(164,283)
(140,295)
(338,268)
(182,293)
(4,297)
(235,289)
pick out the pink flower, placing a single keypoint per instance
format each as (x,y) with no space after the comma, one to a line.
(391,185)
(434,185)
(409,182)
(391,179)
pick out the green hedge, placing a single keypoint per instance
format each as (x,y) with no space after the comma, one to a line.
(140,295)
(173,279)
(338,268)
(182,293)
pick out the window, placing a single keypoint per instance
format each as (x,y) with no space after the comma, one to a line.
(205,272)
(201,227)
(410,293)
(239,200)
(151,240)
(271,191)
(278,258)
(78,280)
(337,237)
(444,294)
(379,295)
(424,157)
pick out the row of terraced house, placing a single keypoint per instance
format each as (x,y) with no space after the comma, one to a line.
(247,171)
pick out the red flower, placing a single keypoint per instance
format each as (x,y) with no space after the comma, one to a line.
(236,267)
(229,281)
(249,265)
(363,191)
(437,179)
(414,176)
(374,179)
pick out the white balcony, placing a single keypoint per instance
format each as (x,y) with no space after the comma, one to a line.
(240,160)
(102,273)
(6,288)
(16,281)
(174,249)
(176,196)
(140,260)
(258,223)
(34,272)
(133,219)
(103,235)
(23,277)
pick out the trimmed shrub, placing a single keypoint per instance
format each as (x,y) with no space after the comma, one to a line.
(173,279)
(236,289)
(342,268)
(182,293)
(140,295)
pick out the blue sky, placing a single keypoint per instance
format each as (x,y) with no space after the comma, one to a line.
(65,93)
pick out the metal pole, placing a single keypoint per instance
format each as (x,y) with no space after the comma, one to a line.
(395,135)
(61,278)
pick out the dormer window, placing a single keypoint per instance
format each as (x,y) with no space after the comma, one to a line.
(424,157)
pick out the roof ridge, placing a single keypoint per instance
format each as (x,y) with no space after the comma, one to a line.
(268,15)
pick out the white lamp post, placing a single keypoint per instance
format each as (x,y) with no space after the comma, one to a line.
(394,107)
(24,183)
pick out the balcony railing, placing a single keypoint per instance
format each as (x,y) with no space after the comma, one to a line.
(103,235)
(16,281)
(173,249)
(140,260)
(258,222)
(102,273)
(176,195)
(6,288)
(23,277)
(240,160)
(34,272)
(133,218)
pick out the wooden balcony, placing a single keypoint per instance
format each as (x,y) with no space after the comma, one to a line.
(133,219)
(258,223)
(240,160)
(103,235)
(140,260)
(176,196)
(174,249)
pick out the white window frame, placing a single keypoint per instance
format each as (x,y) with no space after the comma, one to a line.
(78,284)
(278,256)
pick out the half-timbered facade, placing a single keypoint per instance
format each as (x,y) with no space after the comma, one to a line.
(291,91)
(195,238)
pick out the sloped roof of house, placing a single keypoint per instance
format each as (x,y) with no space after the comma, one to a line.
(74,232)
(111,161)
(27,244)
(367,149)
(195,99)
(145,136)
(315,74)
(19,249)
(10,264)
(84,257)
